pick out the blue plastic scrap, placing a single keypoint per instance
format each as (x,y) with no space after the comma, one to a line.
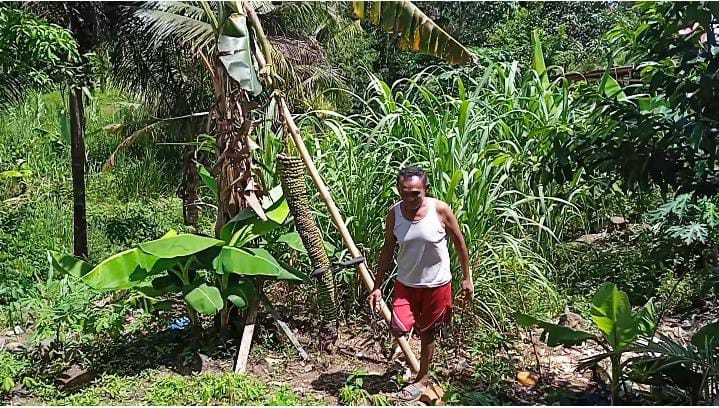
(179,324)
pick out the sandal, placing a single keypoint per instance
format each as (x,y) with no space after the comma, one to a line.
(410,393)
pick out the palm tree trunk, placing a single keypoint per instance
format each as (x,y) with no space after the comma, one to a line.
(190,190)
(77,153)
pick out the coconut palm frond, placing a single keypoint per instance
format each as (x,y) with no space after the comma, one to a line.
(302,64)
(156,67)
(263,7)
(139,130)
(342,33)
(298,51)
(90,21)
(303,18)
(168,77)
(180,21)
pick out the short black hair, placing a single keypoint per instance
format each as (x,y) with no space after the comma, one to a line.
(413,171)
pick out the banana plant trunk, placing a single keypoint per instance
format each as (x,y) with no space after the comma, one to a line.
(616,362)
(233,167)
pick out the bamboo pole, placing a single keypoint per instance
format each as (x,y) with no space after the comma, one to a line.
(339,222)
(319,183)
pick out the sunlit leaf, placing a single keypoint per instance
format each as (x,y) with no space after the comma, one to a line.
(417,31)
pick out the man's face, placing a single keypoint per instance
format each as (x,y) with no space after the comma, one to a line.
(412,191)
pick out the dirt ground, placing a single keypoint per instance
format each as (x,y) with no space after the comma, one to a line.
(368,347)
(362,347)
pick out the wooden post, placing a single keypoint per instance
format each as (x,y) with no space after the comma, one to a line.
(78,155)
(339,222)
(246,343)
(283,326)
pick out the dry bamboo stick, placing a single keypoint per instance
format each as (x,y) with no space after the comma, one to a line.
(283,326)
(339,222)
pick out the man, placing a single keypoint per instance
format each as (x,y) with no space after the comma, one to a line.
(419,225)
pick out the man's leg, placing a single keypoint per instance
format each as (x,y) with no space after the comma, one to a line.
(436,311)
(426,355)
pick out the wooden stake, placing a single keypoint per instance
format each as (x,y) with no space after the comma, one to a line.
(339,222)
(246,343)
(283,326)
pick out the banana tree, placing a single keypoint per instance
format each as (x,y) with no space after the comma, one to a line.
(227,36)
(416,31)
(212,274)
(217,32)
(619,328)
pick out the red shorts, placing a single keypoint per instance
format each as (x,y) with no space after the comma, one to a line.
(423,308)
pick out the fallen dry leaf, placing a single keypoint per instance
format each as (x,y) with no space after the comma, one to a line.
(527,378)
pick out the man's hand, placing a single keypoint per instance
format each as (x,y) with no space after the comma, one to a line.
(467,290)
(374,300)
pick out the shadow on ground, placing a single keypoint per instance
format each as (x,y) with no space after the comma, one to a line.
(331,383)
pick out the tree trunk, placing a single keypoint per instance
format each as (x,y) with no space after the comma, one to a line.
(616,361)
(236,187)
(190,189)
(77,153)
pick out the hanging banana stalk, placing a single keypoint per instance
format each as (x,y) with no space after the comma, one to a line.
(292,177)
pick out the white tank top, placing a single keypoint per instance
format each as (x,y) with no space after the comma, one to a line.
(423,258)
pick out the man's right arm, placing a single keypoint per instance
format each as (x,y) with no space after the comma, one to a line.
(385,257)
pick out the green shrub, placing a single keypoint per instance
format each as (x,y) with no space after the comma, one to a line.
(11,370)
(631,263)
(469,397)
(135,203)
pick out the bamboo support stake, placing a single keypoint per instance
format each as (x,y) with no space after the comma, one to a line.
(324,192)
(339,222)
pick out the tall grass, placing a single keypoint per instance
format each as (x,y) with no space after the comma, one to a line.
(134,202)
(480,134)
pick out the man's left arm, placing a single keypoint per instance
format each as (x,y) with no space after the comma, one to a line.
(452,226)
